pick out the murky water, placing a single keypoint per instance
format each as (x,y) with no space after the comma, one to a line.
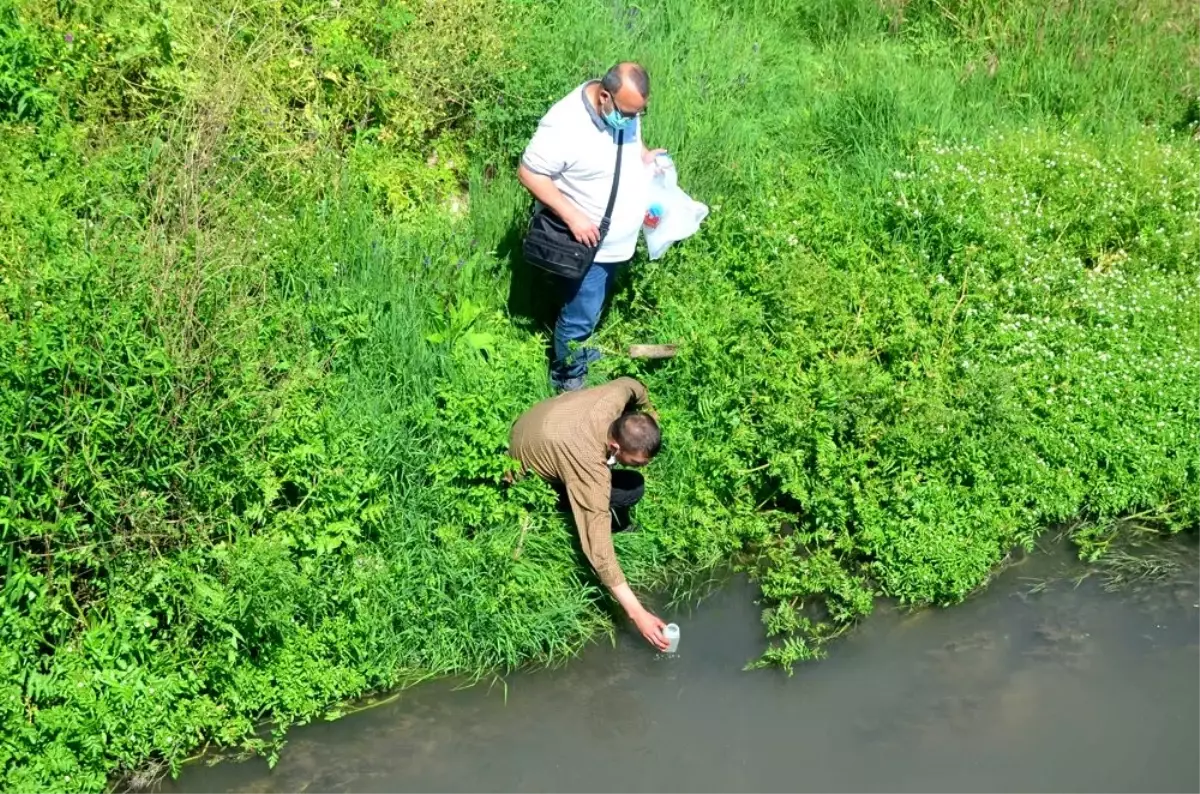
(1068,688)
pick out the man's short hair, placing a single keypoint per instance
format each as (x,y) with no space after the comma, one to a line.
(637,432)
(627,70)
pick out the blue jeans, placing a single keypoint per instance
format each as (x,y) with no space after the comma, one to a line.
(584,301)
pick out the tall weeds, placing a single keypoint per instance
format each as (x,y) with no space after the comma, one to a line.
(258,365)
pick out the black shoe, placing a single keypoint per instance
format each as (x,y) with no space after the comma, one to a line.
(569,384)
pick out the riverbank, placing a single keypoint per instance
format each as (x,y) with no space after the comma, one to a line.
(1048,681)
(263,338)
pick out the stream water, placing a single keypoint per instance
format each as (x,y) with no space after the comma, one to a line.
(1026,687)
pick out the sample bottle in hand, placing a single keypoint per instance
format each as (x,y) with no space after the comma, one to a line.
(671,632)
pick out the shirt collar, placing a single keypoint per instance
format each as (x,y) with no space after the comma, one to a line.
(591,109)
(597,120)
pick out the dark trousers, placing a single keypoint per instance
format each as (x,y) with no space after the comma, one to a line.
(583,303)
(628,488)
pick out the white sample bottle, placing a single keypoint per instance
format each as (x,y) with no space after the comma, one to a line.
(671,632)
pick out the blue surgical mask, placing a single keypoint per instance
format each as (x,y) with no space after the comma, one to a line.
(614,119)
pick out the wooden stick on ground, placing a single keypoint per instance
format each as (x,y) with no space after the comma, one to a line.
(652,351)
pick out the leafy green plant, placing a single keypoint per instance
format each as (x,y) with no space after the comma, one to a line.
(258,368)
(22,53)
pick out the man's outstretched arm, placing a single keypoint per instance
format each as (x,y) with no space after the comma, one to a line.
(595,536)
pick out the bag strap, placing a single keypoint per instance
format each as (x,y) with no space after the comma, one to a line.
(612,197)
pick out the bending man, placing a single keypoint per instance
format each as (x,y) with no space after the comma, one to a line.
(573,441)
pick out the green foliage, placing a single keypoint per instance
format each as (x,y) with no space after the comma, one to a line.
(22,52)
(257,373)
(987,343)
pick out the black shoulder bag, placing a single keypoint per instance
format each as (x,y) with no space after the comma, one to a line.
(549,244)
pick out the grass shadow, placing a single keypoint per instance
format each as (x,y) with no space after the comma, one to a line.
(534,296)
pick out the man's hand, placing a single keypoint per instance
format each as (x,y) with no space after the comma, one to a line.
(544,190)
(647,623)
(582,228)
(648,155)
(651,628)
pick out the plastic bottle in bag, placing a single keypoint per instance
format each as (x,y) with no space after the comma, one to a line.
(653,215)
(672,215)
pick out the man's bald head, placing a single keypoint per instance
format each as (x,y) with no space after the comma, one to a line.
(629,76)
(635,438)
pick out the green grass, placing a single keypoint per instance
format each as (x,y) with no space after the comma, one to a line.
(256,373)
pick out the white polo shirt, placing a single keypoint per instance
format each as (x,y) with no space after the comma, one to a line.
(574,147)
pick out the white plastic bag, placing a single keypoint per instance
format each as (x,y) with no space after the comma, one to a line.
(678,215)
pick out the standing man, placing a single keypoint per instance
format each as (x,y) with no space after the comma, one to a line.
(569,166)
(572,441)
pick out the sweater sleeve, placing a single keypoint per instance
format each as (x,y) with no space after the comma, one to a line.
(626,390)
(589,490)
(638,393)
